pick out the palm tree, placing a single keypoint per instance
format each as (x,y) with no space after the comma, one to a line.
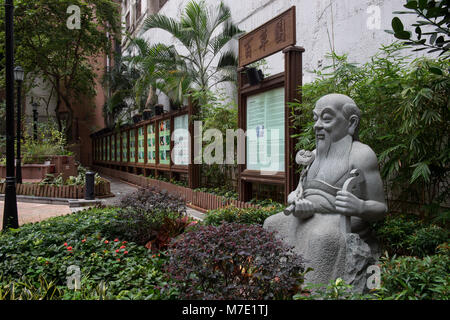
(119,82)
(203,32)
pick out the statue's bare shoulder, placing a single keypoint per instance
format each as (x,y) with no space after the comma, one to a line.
(363,157)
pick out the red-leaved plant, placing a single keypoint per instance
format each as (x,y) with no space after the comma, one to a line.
(234,261)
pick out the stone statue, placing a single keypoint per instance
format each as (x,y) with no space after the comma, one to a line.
(339,192)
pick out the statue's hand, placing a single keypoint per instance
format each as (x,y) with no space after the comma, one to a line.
(348,204)
(303,209)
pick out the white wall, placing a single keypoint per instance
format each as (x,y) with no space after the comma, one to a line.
(321,25)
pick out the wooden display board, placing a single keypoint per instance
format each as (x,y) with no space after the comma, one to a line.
(147,146)
(263,108)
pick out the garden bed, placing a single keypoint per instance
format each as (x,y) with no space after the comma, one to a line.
(102,190)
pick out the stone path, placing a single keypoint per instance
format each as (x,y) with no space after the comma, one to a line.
(35,212)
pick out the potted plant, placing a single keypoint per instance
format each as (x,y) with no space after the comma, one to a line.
(254,76)
(137,117)
(159,109)
(147,114)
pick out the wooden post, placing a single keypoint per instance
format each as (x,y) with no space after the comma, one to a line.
(293,81)
(193,169)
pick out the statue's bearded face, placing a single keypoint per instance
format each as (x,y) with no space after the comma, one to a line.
(330,126)
(330,123)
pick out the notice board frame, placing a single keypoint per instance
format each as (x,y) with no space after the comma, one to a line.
(291,80)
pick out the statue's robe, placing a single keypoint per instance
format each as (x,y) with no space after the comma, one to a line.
(319,239)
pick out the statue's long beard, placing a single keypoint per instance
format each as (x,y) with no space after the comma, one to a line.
(323,147)
(331,160)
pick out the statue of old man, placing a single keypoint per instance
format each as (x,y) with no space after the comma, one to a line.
(339,193)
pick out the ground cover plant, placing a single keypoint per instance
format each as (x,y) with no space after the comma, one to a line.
(37,256)
(240,215)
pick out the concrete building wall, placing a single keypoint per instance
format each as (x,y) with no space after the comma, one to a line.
(353,27)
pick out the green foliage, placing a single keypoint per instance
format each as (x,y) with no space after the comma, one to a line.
(203,32)
(416,278)
(407,235)
(238,215)
(434,15)
(335,290)
(46,48)
(45,250)
(78,180)
(405,118)
(50,142)
(219,191)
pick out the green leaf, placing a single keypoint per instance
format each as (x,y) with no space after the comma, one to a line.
(411,5)
(436,70)
(397,25)
(403,35)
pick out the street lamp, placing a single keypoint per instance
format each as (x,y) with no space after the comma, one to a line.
(18,76)
(35,120)
(10,219)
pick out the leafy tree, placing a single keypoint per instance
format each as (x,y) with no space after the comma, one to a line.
(64,57)
(434,15)
(203,33)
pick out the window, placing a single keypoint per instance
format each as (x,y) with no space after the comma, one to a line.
(138,9)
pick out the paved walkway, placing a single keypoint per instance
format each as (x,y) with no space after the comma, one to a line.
(35,212)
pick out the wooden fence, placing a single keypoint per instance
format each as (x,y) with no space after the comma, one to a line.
(70,192)
(202,201)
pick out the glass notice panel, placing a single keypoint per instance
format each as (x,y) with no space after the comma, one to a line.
(151,144)
(181,140)
(118,147)
(125,146)
(141,150)
(265,131)
(113,148)
(164,142)
(132,146)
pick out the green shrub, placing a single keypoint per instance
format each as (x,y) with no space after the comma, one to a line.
(238,215)
(416,278)
(407,235)
(45,250)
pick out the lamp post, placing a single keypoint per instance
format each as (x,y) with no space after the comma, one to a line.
(18,76)
(10,219)
(35,120)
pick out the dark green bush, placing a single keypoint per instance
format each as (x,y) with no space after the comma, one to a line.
(147,200)
(416,278)
(407,235)
(150,218)
(238,215)
(234,261)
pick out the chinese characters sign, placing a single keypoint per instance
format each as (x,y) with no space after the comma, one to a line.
(273,36)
